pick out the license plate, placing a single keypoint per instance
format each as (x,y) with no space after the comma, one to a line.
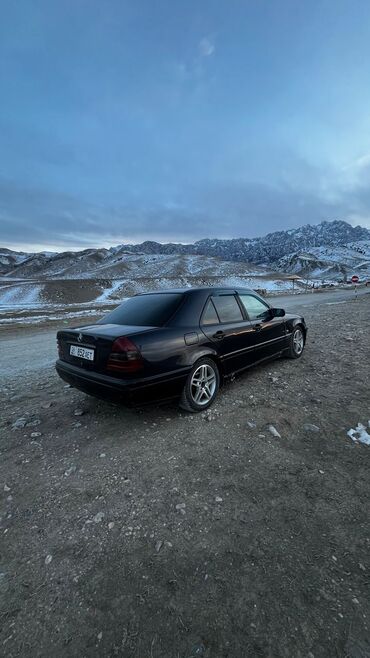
(82,352)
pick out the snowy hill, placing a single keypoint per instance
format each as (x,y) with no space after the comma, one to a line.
(104,277)
(331,251)
(337,263)
(267,249)
(187,259)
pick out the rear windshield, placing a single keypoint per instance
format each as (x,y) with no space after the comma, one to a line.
(145,310)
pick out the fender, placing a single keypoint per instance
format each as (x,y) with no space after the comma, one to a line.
(292,322)
(206,351)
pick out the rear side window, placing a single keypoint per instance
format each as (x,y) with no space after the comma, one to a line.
(145,310)
(227,308)
(210,316)
(256,308)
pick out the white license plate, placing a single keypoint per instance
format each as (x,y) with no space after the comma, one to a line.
(82,352)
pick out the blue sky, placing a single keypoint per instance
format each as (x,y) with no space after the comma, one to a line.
(176,120)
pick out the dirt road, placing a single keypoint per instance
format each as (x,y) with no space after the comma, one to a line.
(157,534)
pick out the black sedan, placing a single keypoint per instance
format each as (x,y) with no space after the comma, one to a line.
(177,344)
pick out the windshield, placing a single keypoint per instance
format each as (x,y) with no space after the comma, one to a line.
(145,310)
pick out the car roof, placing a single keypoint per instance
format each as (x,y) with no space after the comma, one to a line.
(198,289)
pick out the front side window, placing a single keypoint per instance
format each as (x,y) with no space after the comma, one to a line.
(256,308)
(227,308)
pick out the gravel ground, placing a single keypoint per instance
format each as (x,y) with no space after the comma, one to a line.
(241,532)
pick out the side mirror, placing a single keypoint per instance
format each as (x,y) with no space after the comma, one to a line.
(277,312)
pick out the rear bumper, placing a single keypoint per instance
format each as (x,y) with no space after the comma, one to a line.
(128,391)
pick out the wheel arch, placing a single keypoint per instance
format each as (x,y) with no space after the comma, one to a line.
(300,323)
(209,354)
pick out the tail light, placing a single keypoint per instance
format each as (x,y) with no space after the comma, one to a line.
(125,356)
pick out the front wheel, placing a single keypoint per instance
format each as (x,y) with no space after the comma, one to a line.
(201,386)
(297,341)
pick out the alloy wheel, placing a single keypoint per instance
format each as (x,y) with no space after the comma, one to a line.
(203,384)
(298,341)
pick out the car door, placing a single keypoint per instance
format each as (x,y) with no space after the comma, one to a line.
(225,324)
(269,331)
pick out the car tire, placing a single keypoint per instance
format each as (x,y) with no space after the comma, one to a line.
(297,343)
(201,386)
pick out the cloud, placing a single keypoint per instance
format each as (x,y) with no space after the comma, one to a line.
(206,47)
(363,162)
(224,202)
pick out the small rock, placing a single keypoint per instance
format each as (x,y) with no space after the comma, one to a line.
(19,423)
(34,435)
(48,559)
(78,412)
(34,422)
(334,558)
(100,635)
(274,431)
(111,525)
(180,506)
(46,405)
(355,600)
(261,436)
(362,566)
(198,650)
(218,499)
(308,427)
(102,455)
(321,472)
(158,546)
(349,338)
(6,488)
(98,517)
(70,470)
(274,380)
(250,424)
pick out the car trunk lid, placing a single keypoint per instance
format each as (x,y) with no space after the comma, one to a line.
(90,346)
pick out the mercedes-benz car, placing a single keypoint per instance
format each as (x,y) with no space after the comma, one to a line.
(177,344)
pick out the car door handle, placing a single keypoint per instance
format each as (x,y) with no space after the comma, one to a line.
(219,335)
(257,327)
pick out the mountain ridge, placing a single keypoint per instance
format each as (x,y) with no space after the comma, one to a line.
(265,249)
(268,248)
(275,250)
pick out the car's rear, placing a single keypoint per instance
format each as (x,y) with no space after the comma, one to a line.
(117,357)
(101,359)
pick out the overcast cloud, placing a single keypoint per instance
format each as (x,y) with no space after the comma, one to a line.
(127,121)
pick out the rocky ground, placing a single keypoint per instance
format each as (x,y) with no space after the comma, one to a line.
(152,533)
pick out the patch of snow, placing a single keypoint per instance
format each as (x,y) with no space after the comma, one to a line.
(37,319)
(109,291)
(359,434)
(25,295)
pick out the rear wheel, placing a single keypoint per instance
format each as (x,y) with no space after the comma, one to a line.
(201,386)
(297,341)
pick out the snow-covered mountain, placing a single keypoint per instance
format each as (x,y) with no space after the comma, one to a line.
(267,249)
(334,248)
(331,251)
(112,264)
(329,262)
